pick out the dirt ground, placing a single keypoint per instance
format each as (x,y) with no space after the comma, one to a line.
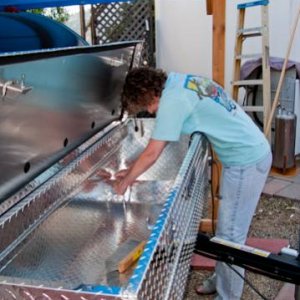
(274,218)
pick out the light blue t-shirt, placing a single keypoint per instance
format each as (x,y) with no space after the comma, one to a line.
(193,103)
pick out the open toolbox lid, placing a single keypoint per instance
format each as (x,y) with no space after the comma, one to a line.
(61,225)
(51,102)
(28,4)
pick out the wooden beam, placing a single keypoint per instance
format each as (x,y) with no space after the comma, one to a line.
(219,12)
(209,7)
(218,62)
(216,177)
(93,29)
(82,21)
(212,209)
(238,51)
(218,8)
(207,225)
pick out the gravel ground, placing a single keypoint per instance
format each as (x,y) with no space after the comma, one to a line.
(274,218)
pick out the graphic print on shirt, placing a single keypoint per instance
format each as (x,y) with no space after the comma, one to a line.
(207,88)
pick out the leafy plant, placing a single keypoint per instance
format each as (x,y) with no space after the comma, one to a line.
(59,14)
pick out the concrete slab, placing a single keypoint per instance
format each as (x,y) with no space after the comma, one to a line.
(200,262)
(287,292)
(274,186)
(292,191)
(296,179)
(269,179)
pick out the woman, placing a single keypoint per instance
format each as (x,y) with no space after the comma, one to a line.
(185,104)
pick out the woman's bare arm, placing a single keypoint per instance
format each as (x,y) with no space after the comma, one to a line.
(146,159)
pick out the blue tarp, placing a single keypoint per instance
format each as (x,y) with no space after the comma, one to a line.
(28,4)
(25,31)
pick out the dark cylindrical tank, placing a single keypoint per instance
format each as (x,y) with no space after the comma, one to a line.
(284,144)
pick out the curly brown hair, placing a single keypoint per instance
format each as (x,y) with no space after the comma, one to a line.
(141,85)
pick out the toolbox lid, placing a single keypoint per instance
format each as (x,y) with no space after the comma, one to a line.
(53,101)
(9,5)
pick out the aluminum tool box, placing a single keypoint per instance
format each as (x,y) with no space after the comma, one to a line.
(62,140)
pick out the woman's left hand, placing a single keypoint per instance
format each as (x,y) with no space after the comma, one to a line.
(121,174)
(120,186)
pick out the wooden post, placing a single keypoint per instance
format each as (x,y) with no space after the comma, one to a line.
(276,99)
(209,7)
(219,13)
(266,69)
(219,25)
(82,21)
(237,51)
(93,29)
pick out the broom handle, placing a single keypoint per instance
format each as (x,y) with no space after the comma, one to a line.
(276,99)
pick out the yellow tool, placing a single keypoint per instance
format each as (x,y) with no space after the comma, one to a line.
(125,256)
(131,257)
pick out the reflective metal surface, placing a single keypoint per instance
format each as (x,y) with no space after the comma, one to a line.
(64,234)
(52,170)
(61,223)
(165,263)
(50,102)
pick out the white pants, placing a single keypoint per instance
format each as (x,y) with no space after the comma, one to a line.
(241,187)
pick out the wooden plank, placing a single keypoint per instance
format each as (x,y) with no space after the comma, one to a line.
(213,206)
(131,257)
(237,52)
(82,22)
(216,175)
(219,11)
(248,56)
(266,70)
(219,26)
(206,225)
(218,62)
(93,27)
(248,82)
(276,99)
(209,7)
(253,108)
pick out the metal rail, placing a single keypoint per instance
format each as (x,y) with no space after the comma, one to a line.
(283,266)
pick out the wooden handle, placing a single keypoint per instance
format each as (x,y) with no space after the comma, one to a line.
(209,7)
(131,257)
(276,99)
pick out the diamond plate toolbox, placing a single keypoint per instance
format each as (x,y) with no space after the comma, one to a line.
(63,230)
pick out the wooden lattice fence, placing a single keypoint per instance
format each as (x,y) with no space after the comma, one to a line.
(125,21)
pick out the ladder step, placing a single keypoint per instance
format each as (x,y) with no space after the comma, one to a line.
(251,35)
(254,3)
(250,29)
(253,108)
(248,56)
(248,82)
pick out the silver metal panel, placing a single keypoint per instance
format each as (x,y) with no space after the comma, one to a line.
(22,292)
(64,233)
(51,102)
(165,262)
(51,171)
(60,222)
